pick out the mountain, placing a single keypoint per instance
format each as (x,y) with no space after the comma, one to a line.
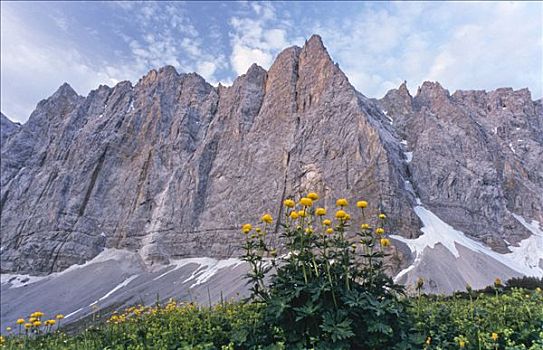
(147,185)
(7,128)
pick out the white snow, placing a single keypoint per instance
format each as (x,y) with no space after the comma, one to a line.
(408,156)
(131,108)
(117,287)
(207,268)
(101,115)
(403,142)
(73,313)
(17,281)
(523,259)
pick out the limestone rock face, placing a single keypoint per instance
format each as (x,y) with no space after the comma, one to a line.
(7,128)
(172,166)
(477,157)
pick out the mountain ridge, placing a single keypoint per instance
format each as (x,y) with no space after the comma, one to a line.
(154,167)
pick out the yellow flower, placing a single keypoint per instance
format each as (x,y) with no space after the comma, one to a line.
(289,203)
(365,226)
(462,344)
(309,230)
(362,204)
(273,253)
(28,325)
(340,214)
(494,336)
(21,321)
(267,218)
(306,202)
(36,323)
(313,196)
(342,202)
(32,319)
(326,222)
(302,213)
(353,246)
(347,217)
(382,216)
(385,242)
(293,215)
(428,340)
(329,230)
(379,230)
(2,340)
(258,230)
(497,282)
(246,228)
(320,211)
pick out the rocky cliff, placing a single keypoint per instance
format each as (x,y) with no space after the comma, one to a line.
(171,167)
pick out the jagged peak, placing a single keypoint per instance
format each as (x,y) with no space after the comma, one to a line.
(65,90)
(403,90)
(431,88)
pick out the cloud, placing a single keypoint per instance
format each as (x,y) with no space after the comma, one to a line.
(257,36)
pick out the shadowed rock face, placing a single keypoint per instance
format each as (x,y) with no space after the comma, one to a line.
(172,166)
(477,157)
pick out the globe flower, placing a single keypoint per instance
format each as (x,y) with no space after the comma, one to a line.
(379,230)
(302,213)
(497,283)
(494,336)
(342,202)
(59,316)
(293,215)
(462,344)
(20,321)
(28,325)
(361,204)
(306,202)
(289,203)
(340,214)
(313,196)
(320,211)
(246,228)
(326,222)
(365,226)
(267,218)
(32,319)
(329,230)
(347,217)
(382,216)
(36,323)
(309,230)
(385,242)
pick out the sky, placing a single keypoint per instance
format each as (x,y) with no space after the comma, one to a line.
(463,45)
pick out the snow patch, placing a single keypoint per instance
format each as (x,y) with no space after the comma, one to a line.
(408,156)
(523,259)
(17,281)
(403,142)
(117,287)
(73,313)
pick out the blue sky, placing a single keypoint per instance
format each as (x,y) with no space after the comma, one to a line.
(462,45)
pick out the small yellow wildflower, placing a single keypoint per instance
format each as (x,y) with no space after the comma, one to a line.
(28,325)
(2,340)
(306,202)
(59,316)
(462,344)
(327,222)
(273,253)
(342,202)
(382,216)
(329,230)
(246,228)
(428,340)
(302,213)
(313,196)
(347,217)
(320,211)
(309,230)
(379,230)
(289,203)
(385,242)
(21,321)
(353,246)
(293,215)
(494,336)
(497,283)
(362,204)
(365,226)
(36,323)
(32,319)
(267,218)
(340,214)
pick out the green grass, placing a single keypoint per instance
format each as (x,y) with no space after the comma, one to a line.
(516,317)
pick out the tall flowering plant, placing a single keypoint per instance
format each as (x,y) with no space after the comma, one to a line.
(330,290)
